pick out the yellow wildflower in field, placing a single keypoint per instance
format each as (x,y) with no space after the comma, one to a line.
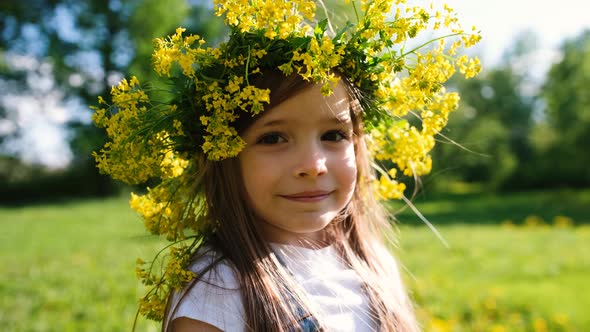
(533,221)
(440,325)
(561,319)
(563,221)
(507,223)
(540,325)
(515,319)
(498,328)
(490,303)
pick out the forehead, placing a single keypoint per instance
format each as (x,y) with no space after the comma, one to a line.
(311,105)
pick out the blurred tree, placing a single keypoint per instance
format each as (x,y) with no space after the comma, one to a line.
(492,124)
(567,97)
(81,48)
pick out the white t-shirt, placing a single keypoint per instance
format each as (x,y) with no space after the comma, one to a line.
(334,291)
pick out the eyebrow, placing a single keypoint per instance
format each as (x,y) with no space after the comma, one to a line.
(333,120)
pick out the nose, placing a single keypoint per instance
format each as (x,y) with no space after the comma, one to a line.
(311,162)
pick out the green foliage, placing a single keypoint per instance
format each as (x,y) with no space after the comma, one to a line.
(511,139)
(492,126)
(568,108)
(28,184)
(70,267)
(522,139)
(489,208)
(87,44)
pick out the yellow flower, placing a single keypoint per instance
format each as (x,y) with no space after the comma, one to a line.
(508,223)
(561,319)
(387,188)
(540,325)
(533,221)
(498,328)
(440,325)
(563,222)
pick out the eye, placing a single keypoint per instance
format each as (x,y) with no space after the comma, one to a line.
(270,138)
(335,136)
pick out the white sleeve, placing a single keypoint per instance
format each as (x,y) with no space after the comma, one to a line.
(215,299)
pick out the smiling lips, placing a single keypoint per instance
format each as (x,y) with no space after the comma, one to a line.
(308,196)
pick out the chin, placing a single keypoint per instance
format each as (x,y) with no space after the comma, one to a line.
(313,225)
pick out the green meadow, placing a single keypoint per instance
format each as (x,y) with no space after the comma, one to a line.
(508,262)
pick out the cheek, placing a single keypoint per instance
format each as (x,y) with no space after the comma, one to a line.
(247,174)
(348,169)
(256,175)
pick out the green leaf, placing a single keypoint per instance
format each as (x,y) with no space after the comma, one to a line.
(320,28)
(343,30)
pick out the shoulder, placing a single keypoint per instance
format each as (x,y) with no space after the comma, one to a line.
(213,269)
(214,298)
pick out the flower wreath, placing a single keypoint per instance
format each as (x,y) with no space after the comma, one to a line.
(209,88)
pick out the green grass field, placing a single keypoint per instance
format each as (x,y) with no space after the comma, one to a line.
(70,267)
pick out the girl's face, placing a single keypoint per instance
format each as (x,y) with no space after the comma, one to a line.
(299,165)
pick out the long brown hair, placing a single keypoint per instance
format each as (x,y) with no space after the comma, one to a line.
(270,295)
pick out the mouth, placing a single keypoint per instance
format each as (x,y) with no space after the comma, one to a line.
(308,196)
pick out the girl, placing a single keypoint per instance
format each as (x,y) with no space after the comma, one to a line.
(263,152)
(299,242)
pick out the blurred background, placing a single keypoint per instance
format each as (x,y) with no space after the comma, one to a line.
(511,198)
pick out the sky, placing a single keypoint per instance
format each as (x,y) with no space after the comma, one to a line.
(500,21)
